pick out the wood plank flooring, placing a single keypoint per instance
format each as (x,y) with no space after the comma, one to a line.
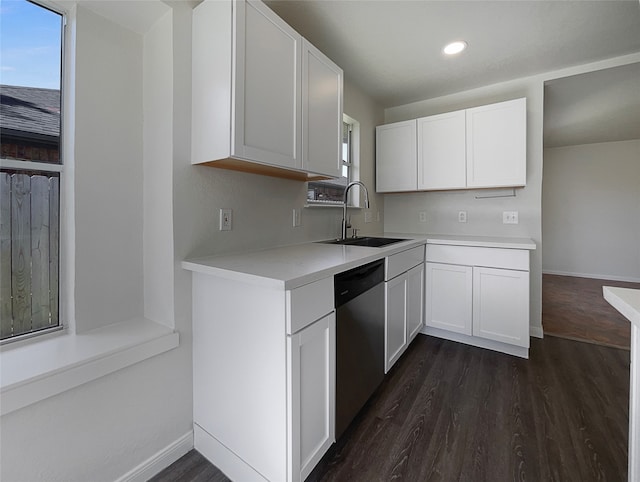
(450,412)
(574,308)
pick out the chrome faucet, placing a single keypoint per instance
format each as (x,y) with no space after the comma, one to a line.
(345,224)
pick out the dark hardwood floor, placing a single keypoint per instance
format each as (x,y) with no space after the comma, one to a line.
(574,308)
(451,412)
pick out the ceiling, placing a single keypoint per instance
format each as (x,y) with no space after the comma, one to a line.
(392,49)
(601,106)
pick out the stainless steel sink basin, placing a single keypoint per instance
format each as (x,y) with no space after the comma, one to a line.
(368,241)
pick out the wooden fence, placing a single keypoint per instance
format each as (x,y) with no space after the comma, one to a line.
(29,251)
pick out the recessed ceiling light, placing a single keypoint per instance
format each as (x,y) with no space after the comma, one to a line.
(455,47)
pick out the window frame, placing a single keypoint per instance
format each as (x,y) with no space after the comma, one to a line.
(60,168)
(352,164)
(49,364)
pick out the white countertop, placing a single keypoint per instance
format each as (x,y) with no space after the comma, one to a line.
(481,241)
(289,267)
(625,300)
(292,266)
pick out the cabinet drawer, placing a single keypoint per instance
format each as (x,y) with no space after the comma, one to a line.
(399,263)
(517,259)
(308,303)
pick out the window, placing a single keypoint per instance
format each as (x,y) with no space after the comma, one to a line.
(30,168)
(331,192)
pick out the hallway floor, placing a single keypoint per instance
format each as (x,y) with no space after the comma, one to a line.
(574,308)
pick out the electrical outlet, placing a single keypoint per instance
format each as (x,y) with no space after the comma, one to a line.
(462,216)
(226,219)
(296,218)
(368,216)
(510,217)
(422,215)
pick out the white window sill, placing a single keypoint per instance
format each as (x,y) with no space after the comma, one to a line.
(35,371)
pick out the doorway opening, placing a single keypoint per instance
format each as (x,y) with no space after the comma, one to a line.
(590,202)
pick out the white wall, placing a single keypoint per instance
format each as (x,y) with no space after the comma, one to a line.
(158,171)
(101,430)
(591,210)
(108,173)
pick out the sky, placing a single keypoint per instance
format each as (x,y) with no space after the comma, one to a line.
(30,45)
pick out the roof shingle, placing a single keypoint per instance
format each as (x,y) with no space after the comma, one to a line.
(30,109)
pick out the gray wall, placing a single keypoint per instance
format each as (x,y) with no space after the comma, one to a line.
(591,210)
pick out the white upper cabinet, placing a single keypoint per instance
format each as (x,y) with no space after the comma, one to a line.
(396,151)
(267,87)
(441,151)
(497,144)
(481,147)
(322,83)
(263,99)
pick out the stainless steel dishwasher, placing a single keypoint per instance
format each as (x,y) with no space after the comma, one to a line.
(359,301)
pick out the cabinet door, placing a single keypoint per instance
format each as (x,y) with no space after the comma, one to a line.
(396,151)
(395,339)
(312,381)
(441,151)
(449,297)
(415,301)
(497,144)
(321,113)
(501,305)
(267,95)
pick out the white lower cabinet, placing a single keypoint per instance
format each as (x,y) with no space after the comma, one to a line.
(263,377)
(501,305)
(404,303)
(312,381)
(449,294)
(415,301)
(475,304)
(395,319)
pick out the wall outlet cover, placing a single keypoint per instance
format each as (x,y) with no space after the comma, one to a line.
(368,216)
(422,216)
(226,219)
(510,217)
(462,216)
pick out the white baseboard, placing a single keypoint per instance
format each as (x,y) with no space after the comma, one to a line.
(536,331)
(520,351)
(224,459)
(160,460)
(628,279)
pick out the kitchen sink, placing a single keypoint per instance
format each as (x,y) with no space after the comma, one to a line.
(368,241)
